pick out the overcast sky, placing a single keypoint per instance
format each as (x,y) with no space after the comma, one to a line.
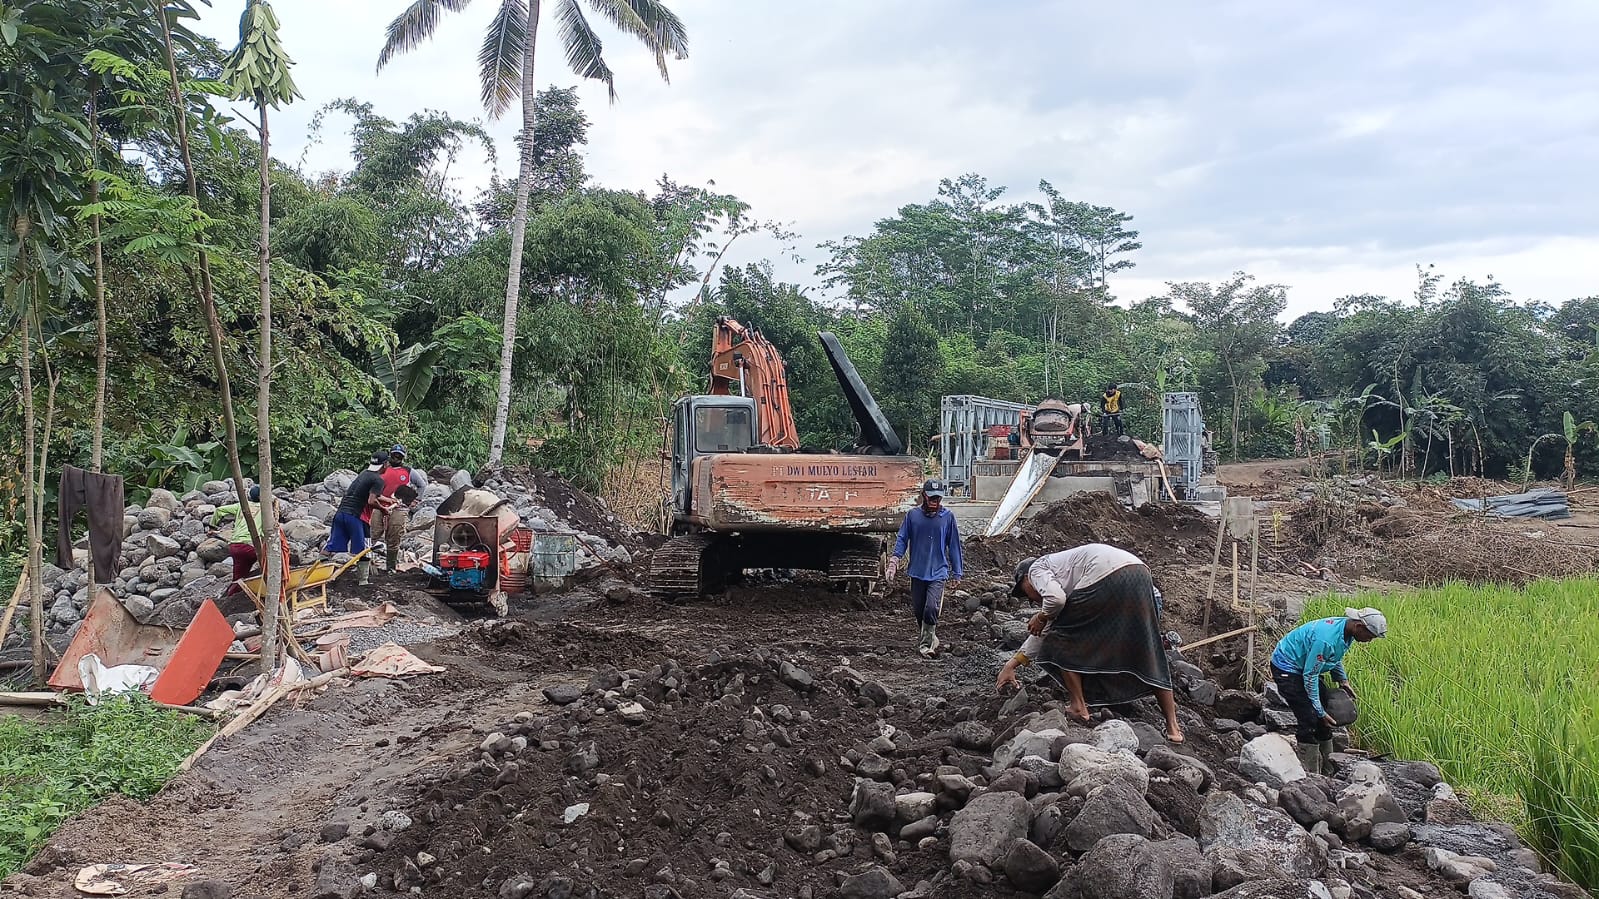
(1328,147)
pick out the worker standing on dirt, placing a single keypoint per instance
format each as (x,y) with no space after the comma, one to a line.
(241,549)
(1297,664)
(405,485)
(1098,630)
(1110,410)
(930,536)
(348,534)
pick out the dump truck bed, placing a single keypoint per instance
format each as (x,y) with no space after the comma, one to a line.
(803,491)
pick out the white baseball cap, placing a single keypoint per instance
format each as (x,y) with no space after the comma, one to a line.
(1374,620)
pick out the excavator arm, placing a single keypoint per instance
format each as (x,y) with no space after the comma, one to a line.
(741,356)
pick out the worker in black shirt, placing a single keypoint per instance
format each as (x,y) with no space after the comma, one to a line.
(348,534)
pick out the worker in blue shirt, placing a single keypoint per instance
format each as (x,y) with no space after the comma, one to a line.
(930,536)
(1302,657)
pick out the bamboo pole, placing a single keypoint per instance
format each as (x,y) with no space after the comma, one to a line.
(11,607)
(1209,640)
(1215,562)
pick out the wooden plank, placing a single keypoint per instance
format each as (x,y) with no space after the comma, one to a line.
(1209,640)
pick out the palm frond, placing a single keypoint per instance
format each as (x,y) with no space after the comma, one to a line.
(500,59)
(583,46)
(410,28)
(657,27)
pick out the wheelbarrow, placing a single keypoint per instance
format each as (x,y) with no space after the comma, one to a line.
(305,587)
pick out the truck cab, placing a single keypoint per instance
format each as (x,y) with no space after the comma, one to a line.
(702,425)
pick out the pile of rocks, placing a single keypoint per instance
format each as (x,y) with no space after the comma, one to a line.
(173,558)
(1351,491)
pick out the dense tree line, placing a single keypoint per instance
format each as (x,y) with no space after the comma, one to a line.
(387,290)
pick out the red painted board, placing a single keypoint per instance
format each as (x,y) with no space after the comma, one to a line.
(200,652)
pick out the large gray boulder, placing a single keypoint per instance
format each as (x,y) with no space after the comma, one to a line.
(872,806)
(1086,768)
(1270,760)
(161,546)
(1115,808)
(1030,868)
(1366,805)
(1191,870)
(984,831)
(1121,866)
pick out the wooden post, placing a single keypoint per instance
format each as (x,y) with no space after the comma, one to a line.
(1254,582)
(1215,562)
(1235,574)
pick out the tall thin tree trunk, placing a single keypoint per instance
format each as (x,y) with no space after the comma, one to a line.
(207,293)
(97,435)
(513,278)
(271,558)
(31,502)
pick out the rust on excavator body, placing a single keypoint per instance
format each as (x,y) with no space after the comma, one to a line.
(794,491)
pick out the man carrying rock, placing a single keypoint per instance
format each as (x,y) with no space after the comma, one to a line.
(1302,657)
(405,484)
(1098,631)
(929,534)
(348,533)
(241,549)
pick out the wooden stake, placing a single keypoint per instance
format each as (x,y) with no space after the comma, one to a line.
(1254,582)
(1215,562)
(1235,575)
(11,607)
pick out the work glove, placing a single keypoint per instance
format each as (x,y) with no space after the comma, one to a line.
(892,569)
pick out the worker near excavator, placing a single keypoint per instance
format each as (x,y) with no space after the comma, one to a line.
(929,534)
(1110,410)
(1297,664)
(1098,630)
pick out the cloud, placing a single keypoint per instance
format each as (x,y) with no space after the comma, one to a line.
(1328,148)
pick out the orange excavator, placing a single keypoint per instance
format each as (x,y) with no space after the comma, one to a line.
(744,495)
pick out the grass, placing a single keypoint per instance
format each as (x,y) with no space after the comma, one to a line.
(1498,686)
(57,766)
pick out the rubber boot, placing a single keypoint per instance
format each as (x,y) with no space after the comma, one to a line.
(392,557)
(363,571)
(929,639)
(1309,757)
(1327,766)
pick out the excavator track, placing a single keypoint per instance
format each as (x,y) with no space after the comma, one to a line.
(684,567)
(855,565)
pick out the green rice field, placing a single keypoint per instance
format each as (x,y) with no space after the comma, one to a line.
(1499,687)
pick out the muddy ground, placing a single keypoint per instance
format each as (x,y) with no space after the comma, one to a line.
(753,711)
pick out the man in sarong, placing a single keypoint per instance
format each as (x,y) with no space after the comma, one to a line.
(1098,631)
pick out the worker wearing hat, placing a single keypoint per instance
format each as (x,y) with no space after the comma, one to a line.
(1297,664)
(348,533)
(929,534)
(404,485)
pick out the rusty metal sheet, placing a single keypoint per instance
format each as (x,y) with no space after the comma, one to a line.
(751,491)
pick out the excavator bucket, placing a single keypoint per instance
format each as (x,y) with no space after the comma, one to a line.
(877,435)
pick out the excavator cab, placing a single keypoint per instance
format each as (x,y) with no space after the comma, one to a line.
(707,424)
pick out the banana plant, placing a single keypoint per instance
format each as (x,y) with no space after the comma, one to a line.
(1570,432)
(1384,448)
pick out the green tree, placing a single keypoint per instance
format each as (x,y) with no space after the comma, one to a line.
(1235,325)
(258,70)
(913,367)
(506,73)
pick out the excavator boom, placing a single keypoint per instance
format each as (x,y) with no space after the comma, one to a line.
(741,356)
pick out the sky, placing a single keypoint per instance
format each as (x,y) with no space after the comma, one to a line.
(1328,147)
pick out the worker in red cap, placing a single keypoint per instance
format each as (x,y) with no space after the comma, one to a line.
(404,485)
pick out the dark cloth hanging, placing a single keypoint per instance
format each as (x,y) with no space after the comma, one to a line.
(100,495)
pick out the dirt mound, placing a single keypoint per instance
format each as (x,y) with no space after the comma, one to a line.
(736,752)
(1429,546)
(575,507)
(1156,533)
(1106,446)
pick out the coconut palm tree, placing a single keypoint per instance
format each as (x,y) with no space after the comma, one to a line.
(506,74)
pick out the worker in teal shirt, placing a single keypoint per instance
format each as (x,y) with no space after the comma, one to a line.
(929,534)
(1302,657)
